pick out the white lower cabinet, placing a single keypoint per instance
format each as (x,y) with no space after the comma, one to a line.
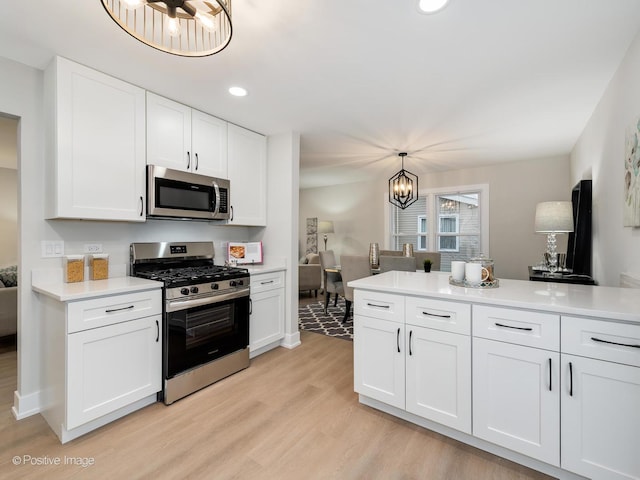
(439,377)
(96,374)
(516,398)
(600,398)
(379,369)
(266,322)
(424,371)
(560,394)
(110,367)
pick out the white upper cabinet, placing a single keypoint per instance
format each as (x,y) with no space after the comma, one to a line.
(182,138)
(209,144)
(247,167)
(96,140)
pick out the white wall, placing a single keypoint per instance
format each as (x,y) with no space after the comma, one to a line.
(358,210)
(599,155)
(21,96)
(279,240)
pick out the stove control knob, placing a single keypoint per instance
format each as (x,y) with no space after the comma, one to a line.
(240,282)
(194,289)
(214,286)
(232,283)
(184,291)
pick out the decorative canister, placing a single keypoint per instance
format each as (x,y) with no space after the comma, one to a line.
(488,268)
(407,250)
(374,255)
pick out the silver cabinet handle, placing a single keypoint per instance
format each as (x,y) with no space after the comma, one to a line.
(398,340)
(266,283)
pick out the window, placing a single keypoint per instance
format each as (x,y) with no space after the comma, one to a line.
(422,228)
(452,221)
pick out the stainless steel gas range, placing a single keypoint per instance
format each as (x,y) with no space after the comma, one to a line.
(205,315)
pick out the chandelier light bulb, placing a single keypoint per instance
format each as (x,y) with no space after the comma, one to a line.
(207,21)
(173,26)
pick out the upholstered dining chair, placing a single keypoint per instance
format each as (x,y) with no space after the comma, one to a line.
(332,280)
(353,267)
(404,264)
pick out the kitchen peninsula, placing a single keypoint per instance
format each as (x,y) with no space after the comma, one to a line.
(544,374)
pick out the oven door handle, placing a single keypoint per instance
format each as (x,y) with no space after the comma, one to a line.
(174,306)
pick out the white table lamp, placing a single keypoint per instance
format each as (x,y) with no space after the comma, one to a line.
(553,218)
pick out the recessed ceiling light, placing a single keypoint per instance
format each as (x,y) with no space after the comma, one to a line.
(431,6)
(238,92)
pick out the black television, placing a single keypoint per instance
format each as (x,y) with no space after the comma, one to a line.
(579,242)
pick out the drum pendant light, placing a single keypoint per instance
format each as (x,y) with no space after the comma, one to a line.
(195,28)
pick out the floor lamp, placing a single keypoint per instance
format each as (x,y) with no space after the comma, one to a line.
(324,227)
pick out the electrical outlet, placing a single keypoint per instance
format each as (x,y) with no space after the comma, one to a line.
(52,248)
(93,248)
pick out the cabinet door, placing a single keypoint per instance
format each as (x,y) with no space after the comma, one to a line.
(168,133)
(600,420)
(111,367)
(439,376)
(378,360)
(247,167)
(266,323)
(209,144)
(99,139)
(516,398)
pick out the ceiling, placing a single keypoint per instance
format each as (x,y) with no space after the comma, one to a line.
(481,82)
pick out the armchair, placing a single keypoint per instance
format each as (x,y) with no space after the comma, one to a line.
(310,274)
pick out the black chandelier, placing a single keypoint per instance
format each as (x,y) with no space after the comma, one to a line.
(403,187)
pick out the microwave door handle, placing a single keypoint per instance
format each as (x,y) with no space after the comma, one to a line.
(216,189)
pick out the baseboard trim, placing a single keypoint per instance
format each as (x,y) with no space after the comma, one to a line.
(25,406)
(291,340)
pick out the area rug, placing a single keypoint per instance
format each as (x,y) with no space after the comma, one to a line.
(312,318)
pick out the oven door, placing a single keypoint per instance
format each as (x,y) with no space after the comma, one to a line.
(201,330)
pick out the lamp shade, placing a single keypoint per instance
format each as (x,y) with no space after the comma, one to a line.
(325,226)
(554,217)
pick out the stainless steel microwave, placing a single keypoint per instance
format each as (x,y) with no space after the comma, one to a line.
(183,195)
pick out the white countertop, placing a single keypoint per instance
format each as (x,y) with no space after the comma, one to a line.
(257,269)
(69,292)
(584,300)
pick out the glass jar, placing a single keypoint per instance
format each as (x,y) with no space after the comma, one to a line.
(488,268)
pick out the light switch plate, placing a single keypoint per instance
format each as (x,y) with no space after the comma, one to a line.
(52,248)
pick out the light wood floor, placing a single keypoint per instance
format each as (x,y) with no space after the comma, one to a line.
(291,415)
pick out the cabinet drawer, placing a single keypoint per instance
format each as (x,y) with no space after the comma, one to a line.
(522,327)
(98,312)
(384,306)
(263,282)
(612,341)
(439,314)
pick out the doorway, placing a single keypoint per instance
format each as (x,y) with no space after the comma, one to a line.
(8,258)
